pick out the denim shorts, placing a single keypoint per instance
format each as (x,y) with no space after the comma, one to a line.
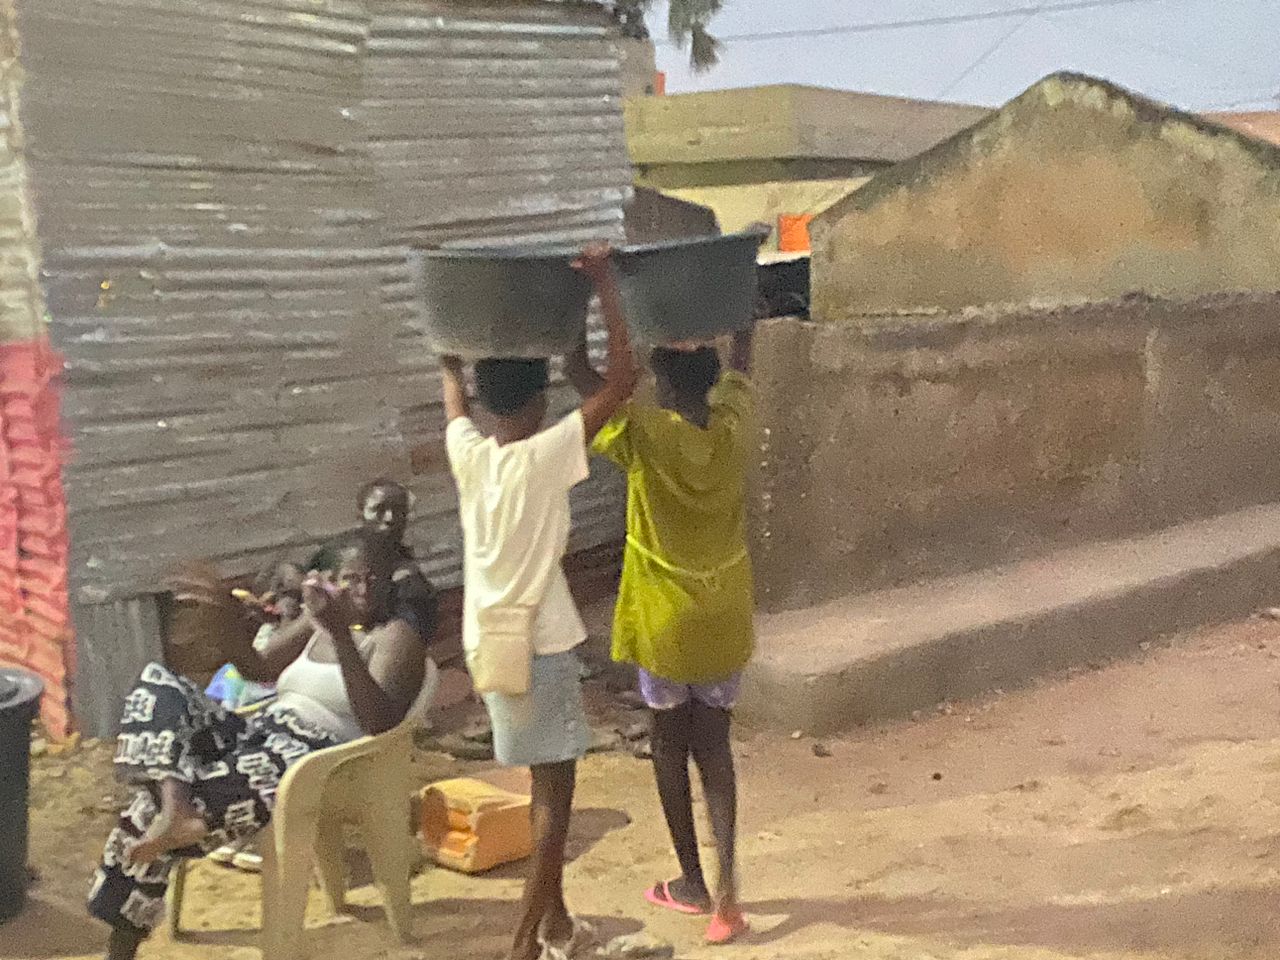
(547,724)
(660,694)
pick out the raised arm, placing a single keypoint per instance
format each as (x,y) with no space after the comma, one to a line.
(382,690)
(454,387)
(583,377)
(620,377)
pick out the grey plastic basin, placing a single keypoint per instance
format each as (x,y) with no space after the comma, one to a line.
(693,288)
(507,302)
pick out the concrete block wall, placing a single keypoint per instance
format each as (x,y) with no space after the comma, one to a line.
(937,443)
(1075,189)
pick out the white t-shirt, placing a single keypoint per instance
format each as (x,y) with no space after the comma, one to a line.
(513,501)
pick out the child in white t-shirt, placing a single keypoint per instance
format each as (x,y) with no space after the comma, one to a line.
(520,625)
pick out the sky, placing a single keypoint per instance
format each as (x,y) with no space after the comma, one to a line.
(1196,54)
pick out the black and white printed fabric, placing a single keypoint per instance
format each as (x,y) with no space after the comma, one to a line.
(233,763)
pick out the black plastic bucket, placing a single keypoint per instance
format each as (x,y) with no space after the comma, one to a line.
(19,700)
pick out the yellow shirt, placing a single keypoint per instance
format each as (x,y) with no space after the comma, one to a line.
(686,600)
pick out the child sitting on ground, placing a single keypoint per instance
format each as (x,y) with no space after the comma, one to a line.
(685,603)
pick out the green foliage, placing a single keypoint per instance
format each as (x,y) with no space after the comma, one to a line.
(686,23)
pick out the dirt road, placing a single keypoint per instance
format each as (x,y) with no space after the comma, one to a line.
(1125,812)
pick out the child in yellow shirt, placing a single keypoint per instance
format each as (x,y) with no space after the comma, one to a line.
(685,602)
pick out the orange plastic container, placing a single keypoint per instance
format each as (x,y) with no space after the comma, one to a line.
(472,826)
(793,232)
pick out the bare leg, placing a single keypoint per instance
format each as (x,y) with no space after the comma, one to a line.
(714,756)
(124,944)
(178,824)
(542,907)
(671,729)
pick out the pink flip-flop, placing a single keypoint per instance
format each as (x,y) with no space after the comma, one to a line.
(660,896)
(726,929)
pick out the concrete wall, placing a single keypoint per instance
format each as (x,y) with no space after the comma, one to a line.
(788,121)
(932,444)
(1075,189)
(732,173)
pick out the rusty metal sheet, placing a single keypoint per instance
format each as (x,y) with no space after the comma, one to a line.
(226,193)
(114,641)
(504,124)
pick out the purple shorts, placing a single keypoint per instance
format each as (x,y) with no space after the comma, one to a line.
(660,694)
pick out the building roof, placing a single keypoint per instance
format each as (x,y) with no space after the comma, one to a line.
(789,121)
(1100,95)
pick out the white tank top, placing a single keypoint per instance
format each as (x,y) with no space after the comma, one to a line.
(318,693)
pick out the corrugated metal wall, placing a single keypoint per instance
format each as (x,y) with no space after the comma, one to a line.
(501,125)
(225,192)
(21,300)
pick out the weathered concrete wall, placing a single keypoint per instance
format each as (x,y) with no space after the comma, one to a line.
(728,173)
(1076,189)
(788,121)
(1257,124)
(931,444)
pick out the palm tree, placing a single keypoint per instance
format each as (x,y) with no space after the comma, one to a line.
(686,23)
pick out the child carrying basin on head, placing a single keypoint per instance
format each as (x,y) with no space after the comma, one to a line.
(520,625)
(685,603)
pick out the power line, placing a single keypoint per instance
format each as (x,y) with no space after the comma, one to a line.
(986,55)
(1130,41)
(895,139)
(946,20)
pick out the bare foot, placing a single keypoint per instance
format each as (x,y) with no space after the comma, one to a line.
(691,892)
(166,834)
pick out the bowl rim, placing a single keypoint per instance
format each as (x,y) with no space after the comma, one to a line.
(563,252)
(556,253)
(758,234)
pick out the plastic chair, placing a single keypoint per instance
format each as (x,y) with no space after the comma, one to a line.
(367,782)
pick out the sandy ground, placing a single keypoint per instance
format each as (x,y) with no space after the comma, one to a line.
(1125,812)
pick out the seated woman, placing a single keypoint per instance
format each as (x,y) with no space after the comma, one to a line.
(206,776)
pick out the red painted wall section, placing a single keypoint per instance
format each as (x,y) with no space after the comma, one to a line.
(35,623)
